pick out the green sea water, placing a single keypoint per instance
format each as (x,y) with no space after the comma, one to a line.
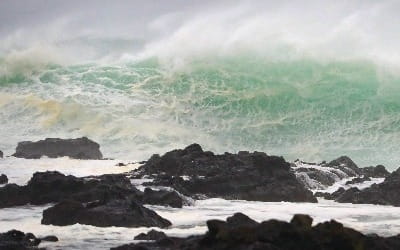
(301,108)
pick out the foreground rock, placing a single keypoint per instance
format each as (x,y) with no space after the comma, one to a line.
(385,193)
(119,213)
(240,232)
(3,179)
(81,148)
(52,186)
(245,176)
(17,240)
(323,175)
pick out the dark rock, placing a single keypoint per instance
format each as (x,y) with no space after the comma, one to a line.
(299,234)
(302,221)
(119,213)
(17,240)
(376,172)
(162,197)
(385,193)
(358,180)
(3,179)
(1,154)
(81,148)
(52,186)
(50,238)
(345,164)
(120,164)
(151,235)
(244,176)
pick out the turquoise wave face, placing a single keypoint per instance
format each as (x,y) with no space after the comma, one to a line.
(299,109)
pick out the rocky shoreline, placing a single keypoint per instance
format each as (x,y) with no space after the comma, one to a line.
(179,176)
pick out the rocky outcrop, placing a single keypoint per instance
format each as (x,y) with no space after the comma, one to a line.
(119,213)
(80,148)
(3,179)
(385,193)
(245,176)
(52,186)
(162,198)
(17,240)
(1,154)
(298,234)
(151,235)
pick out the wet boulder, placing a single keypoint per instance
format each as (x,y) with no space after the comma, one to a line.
(151,235)
(162,198)
(52,186)
(49,238)
(119,213)
(3,179)
(80,148)
(244,176)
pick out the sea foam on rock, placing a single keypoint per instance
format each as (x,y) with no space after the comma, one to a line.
(80,148)
(320,176)
(241,232)
(244,176)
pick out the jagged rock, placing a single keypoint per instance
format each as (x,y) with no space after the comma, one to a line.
(119,213)
(246,176)
(3,179)
(375,172)
(358,180)
(1,154)
(385,193)
(80,148)
(162,197)
(299,234)
(151,235)
(52,186)
(345,164)
(17,240)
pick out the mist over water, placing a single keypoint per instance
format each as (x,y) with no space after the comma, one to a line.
(307,80)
